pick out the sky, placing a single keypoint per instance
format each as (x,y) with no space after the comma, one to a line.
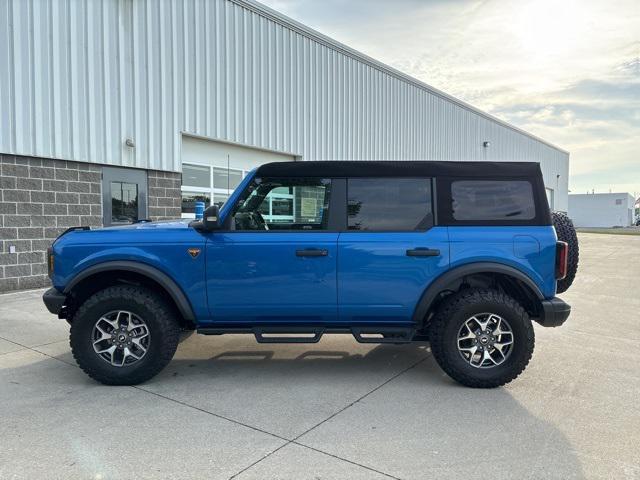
(567,71)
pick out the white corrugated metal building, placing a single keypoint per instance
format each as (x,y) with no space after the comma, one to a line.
(603,210)
(209,89)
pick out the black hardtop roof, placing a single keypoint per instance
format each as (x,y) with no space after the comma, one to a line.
(366,168)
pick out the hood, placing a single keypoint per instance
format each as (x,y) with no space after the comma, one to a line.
(162,224)
(133,234)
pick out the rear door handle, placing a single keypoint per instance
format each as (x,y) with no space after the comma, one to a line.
(423,252)
(312,252)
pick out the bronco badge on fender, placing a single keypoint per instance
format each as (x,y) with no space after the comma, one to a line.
(194,252)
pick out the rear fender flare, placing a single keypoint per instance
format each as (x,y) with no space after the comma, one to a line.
(433,290)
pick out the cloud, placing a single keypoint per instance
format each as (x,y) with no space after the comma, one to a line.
(566,71)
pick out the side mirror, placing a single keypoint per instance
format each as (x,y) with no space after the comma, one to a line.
(210,218)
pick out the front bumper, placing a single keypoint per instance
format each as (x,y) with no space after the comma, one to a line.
(554,312)
(54,300)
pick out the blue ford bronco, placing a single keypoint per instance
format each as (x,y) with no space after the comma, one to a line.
(461,254)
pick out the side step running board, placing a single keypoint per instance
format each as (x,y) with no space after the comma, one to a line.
(311,334)
(383,334)
(288,335)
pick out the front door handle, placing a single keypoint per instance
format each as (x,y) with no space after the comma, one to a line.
(312,252)
(423,252)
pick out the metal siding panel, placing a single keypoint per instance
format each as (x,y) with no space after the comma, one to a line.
(19,40)
(172,90)
(40,71)
(225,70)
(6,86)
(106,76)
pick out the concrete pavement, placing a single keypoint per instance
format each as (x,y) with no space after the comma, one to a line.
(227,407)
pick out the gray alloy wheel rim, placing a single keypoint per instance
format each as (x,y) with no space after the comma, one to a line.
(121,338)
(485,340)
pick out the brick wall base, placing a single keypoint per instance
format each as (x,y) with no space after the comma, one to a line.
(164,196)
(40,198)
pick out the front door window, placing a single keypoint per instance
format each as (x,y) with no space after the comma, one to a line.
(284,204)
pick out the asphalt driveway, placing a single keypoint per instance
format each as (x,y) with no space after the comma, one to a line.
(227,407)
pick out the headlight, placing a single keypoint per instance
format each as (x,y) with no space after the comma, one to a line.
(50,259)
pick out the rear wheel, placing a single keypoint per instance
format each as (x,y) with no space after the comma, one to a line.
(566,232)
(482,338)
(123,335)
(185,335)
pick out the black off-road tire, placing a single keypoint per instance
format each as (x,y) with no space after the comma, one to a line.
(185,334)
(566,232)
(159,317)
(458,308)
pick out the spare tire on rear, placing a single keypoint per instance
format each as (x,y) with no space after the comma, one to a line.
(566,232)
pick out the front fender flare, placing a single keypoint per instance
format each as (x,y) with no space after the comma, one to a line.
(166,282)
(433,290)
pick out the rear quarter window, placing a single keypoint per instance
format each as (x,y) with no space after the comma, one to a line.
(492,200)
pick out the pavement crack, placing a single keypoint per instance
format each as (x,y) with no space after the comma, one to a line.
(222,417)
(295,442)
(386,382)
(344,459)
(33,349)
(259,460)
(15,343)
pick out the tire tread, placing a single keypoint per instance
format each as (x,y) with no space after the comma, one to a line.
(169,337)
(468,297)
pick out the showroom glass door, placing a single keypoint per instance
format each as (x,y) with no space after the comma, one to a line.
(124,195)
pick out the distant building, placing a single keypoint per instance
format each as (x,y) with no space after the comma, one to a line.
(601,209)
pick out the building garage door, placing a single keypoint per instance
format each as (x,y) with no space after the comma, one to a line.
(212,170)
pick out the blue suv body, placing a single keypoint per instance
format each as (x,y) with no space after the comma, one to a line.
(461,253)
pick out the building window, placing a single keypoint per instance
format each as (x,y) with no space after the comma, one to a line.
(189,200)
(202,183)
(196,176)
(220,199)
(124,195)
(124,202)
(227,179)
(389,204)
(618,201)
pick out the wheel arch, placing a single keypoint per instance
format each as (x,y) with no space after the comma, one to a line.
(123,271)
(516,283)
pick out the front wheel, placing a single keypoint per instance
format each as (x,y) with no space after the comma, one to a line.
(123,335)
(482,338)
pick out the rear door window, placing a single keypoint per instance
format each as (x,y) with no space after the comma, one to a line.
(492,200)
(389,204)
